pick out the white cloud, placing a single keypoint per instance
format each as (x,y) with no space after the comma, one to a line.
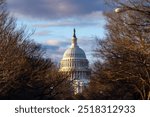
(43,33)
(53,42)
(56,42)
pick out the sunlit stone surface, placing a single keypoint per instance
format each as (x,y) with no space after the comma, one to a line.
(75,63)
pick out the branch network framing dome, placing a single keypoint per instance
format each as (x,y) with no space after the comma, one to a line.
(74,62)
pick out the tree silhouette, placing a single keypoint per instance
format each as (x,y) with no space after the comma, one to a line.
(24,73)
(125,53)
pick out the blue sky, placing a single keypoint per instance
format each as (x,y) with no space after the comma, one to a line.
(53,22)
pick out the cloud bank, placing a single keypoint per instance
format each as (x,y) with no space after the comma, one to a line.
(54,9)
(44,14)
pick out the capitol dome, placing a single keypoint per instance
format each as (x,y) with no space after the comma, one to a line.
(74,52)
(74,62)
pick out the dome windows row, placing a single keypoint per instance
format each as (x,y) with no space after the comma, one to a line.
(75,63)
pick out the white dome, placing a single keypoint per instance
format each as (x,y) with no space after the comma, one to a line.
(74,61)
(74,53)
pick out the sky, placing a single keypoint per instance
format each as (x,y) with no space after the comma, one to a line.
(54,20)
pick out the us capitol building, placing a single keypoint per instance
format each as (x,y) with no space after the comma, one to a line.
(75,63)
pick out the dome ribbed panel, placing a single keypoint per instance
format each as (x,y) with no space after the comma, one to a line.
(75,53)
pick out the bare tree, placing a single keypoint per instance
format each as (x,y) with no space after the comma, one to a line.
(24,73)
(126,49)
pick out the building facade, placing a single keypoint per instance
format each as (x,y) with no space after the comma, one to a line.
(75,63)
